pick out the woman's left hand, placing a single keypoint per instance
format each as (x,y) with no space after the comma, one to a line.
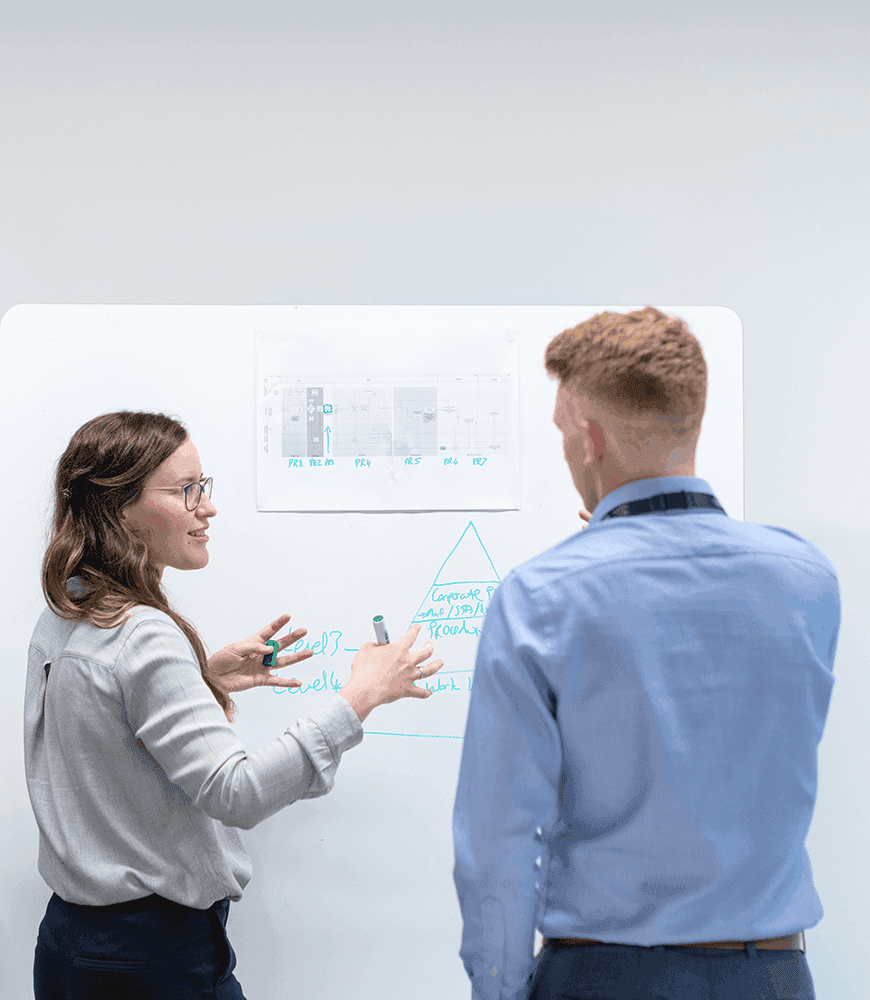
(239,666)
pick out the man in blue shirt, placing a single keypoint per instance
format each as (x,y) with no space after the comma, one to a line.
(640,759)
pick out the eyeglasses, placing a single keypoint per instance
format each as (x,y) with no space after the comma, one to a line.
(192,494)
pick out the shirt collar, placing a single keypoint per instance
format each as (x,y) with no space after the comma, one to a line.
(640,489)
(75,587)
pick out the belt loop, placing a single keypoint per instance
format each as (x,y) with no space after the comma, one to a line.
(750,948)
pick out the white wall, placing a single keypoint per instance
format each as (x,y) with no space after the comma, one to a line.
(471,153)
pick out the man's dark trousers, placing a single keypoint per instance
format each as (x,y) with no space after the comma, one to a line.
(669,972)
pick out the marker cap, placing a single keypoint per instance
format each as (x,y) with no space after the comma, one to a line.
(381,633)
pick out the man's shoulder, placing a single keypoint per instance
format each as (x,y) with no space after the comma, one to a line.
(624,541)
(571,555)
(772,539)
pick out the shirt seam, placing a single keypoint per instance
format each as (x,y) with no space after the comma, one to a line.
(534,588)
(107,664)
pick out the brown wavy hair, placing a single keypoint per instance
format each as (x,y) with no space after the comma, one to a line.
(644,362)
(103,470)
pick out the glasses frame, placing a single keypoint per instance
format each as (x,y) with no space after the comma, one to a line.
(202,484)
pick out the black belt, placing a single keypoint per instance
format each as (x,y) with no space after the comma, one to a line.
(791,942)
(666,501)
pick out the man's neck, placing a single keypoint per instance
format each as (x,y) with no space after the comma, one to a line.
(619,478)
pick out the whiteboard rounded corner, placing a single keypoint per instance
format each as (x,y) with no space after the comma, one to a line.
(5,322)
(736,315)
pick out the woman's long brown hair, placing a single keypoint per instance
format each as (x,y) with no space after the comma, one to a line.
(104,468)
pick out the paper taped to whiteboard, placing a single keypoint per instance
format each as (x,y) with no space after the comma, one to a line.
(380,435)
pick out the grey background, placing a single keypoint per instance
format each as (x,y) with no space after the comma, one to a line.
(483,153)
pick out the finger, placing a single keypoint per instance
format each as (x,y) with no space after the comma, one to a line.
(288,661)
(288,640)
(423,653)
(410,637)
(293,637)
(267,631)
(284,682)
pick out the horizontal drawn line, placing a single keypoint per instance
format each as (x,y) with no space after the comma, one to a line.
(462,583)
(424,736)
(425,621)
(347,649)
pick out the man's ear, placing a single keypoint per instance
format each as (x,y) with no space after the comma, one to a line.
(593,440)
(588,450)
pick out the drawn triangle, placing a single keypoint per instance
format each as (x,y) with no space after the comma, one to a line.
(464,583)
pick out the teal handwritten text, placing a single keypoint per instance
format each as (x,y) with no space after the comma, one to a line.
(322,683)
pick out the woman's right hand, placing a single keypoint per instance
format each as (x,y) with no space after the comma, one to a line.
(381,674)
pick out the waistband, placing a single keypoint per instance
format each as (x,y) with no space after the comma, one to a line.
(142,904)
(791,942)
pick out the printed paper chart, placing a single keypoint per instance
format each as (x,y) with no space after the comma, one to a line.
(378,434)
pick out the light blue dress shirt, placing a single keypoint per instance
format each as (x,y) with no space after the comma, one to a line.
(647,704)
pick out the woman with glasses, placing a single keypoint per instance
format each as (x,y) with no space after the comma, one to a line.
(137,780)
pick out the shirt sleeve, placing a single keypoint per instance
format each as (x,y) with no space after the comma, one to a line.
(171,710)
(508,787)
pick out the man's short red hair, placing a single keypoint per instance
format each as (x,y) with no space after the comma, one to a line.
(638,363)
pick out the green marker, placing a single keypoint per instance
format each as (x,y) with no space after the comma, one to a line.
(269,660)
(380,629)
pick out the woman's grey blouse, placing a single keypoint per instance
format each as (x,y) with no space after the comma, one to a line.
(138,783)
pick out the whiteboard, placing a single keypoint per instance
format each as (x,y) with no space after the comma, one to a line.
(352,893)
